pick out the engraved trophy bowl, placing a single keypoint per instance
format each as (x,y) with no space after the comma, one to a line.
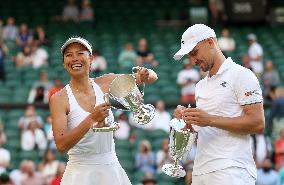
(181,141)
(124,90)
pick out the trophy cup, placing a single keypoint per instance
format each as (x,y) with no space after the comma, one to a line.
(111,125)
(181,141)
(123,89)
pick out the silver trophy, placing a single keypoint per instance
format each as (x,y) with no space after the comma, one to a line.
(181,141)
(111,125)
(123,89)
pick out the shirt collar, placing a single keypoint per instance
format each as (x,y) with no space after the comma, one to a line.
(224,67)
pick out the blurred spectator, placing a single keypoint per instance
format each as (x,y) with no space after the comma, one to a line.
(10,31)
(42,84)
(255,53)
(99,63)
(33,177)
(217,12)
(276,119)
(57,87)
(148,179)
(19,175)
(246,62)
(24,37)
(5,155)
(24,58)
(162,118)
(187,163)
(145,158)
(33,138)
(3,52)
(270,75)
(39,56)
(279,151)
(1,31)
(261,148)
(60,171)
(270,79)
(87,13)
(39,97)
(163,156)
(266,175)
(127,57)
(124,129)
(225,42)
(281,175)
(5,179)
(40,37)
(187,78)
(145,57)
(29,116)
(2,134)
(49,133)
(48,167)
(70,12)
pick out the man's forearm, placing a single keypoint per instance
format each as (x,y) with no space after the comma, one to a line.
(245,124)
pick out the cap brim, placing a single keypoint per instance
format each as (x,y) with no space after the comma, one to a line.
(75,40)
(183,51)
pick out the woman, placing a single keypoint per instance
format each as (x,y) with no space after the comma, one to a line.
(145,159)
(48,167)
(80,106)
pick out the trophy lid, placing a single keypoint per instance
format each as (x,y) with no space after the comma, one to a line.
(122,85)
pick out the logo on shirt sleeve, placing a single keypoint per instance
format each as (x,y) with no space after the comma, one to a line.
(250,93)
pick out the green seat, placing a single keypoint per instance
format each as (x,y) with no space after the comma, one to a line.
(159,134)
(122,143)
(15,113)
(5,98)
(21,95)
(138,176)
(127,164)
(31,155)
(123,154)
(13,143)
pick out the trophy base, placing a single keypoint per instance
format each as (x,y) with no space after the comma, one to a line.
(111,128)
(171,171)
(144,115)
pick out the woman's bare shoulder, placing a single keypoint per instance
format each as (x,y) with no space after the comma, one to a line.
(60,97)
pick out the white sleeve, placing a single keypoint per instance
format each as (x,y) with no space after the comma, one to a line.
(180,79)
(259,50)
(247,88)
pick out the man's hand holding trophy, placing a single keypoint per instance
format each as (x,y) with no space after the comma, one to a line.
(124,91)
(182,137)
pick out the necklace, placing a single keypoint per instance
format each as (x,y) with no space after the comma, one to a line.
(77,90)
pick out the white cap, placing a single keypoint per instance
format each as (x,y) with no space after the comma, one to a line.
(79,40)
(191,37)
(251,36)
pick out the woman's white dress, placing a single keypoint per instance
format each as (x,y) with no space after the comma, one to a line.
(92,161)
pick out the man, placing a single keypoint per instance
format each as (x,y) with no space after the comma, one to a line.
(255,53)
(229,109)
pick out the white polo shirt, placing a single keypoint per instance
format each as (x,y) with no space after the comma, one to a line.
(224,94)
